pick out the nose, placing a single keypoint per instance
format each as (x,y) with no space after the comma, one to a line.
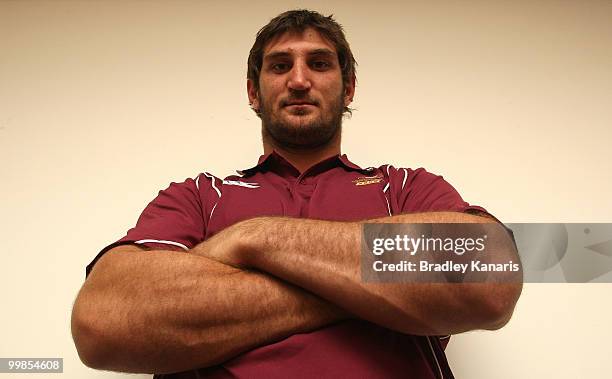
(299,77)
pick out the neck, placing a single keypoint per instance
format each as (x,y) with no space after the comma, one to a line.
(303,159)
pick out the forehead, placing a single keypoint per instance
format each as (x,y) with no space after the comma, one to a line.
(296,42)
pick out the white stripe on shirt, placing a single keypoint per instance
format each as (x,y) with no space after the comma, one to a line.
(164,242)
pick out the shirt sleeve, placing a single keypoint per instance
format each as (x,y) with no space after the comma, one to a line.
(174,220)
(413,191)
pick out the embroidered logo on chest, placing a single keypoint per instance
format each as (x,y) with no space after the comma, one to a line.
(365,180)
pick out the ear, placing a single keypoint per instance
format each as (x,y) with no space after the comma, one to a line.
(253,96)
(349,91)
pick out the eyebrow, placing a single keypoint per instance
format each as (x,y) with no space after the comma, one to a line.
(282,54)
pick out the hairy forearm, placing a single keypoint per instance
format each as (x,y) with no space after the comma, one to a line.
(324,257)
(165,311)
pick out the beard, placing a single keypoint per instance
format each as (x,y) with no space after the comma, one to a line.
(311,134)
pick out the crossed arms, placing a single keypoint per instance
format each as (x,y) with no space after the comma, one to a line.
(257,282)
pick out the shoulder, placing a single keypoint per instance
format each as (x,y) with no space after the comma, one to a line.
(206,181)
(194,191)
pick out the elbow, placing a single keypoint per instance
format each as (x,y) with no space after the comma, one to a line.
(499,296)
(89,340)
(496,317)
(498,305)
(96,325)
(89,352)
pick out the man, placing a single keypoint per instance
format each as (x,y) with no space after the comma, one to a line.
(258,275)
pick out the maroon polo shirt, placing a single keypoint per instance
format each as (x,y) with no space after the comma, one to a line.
(187,213)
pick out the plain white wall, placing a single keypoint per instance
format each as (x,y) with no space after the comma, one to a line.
(104,103)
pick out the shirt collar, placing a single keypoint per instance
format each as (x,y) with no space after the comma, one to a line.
(274,159)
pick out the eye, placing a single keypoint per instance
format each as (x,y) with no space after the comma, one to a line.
(279,67)
(320,65)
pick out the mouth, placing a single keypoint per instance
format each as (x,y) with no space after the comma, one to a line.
(299,108)
(298,103)
(301,105)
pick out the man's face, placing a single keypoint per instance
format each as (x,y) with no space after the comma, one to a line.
(301,96)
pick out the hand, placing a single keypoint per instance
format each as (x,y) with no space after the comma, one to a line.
(228,247)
